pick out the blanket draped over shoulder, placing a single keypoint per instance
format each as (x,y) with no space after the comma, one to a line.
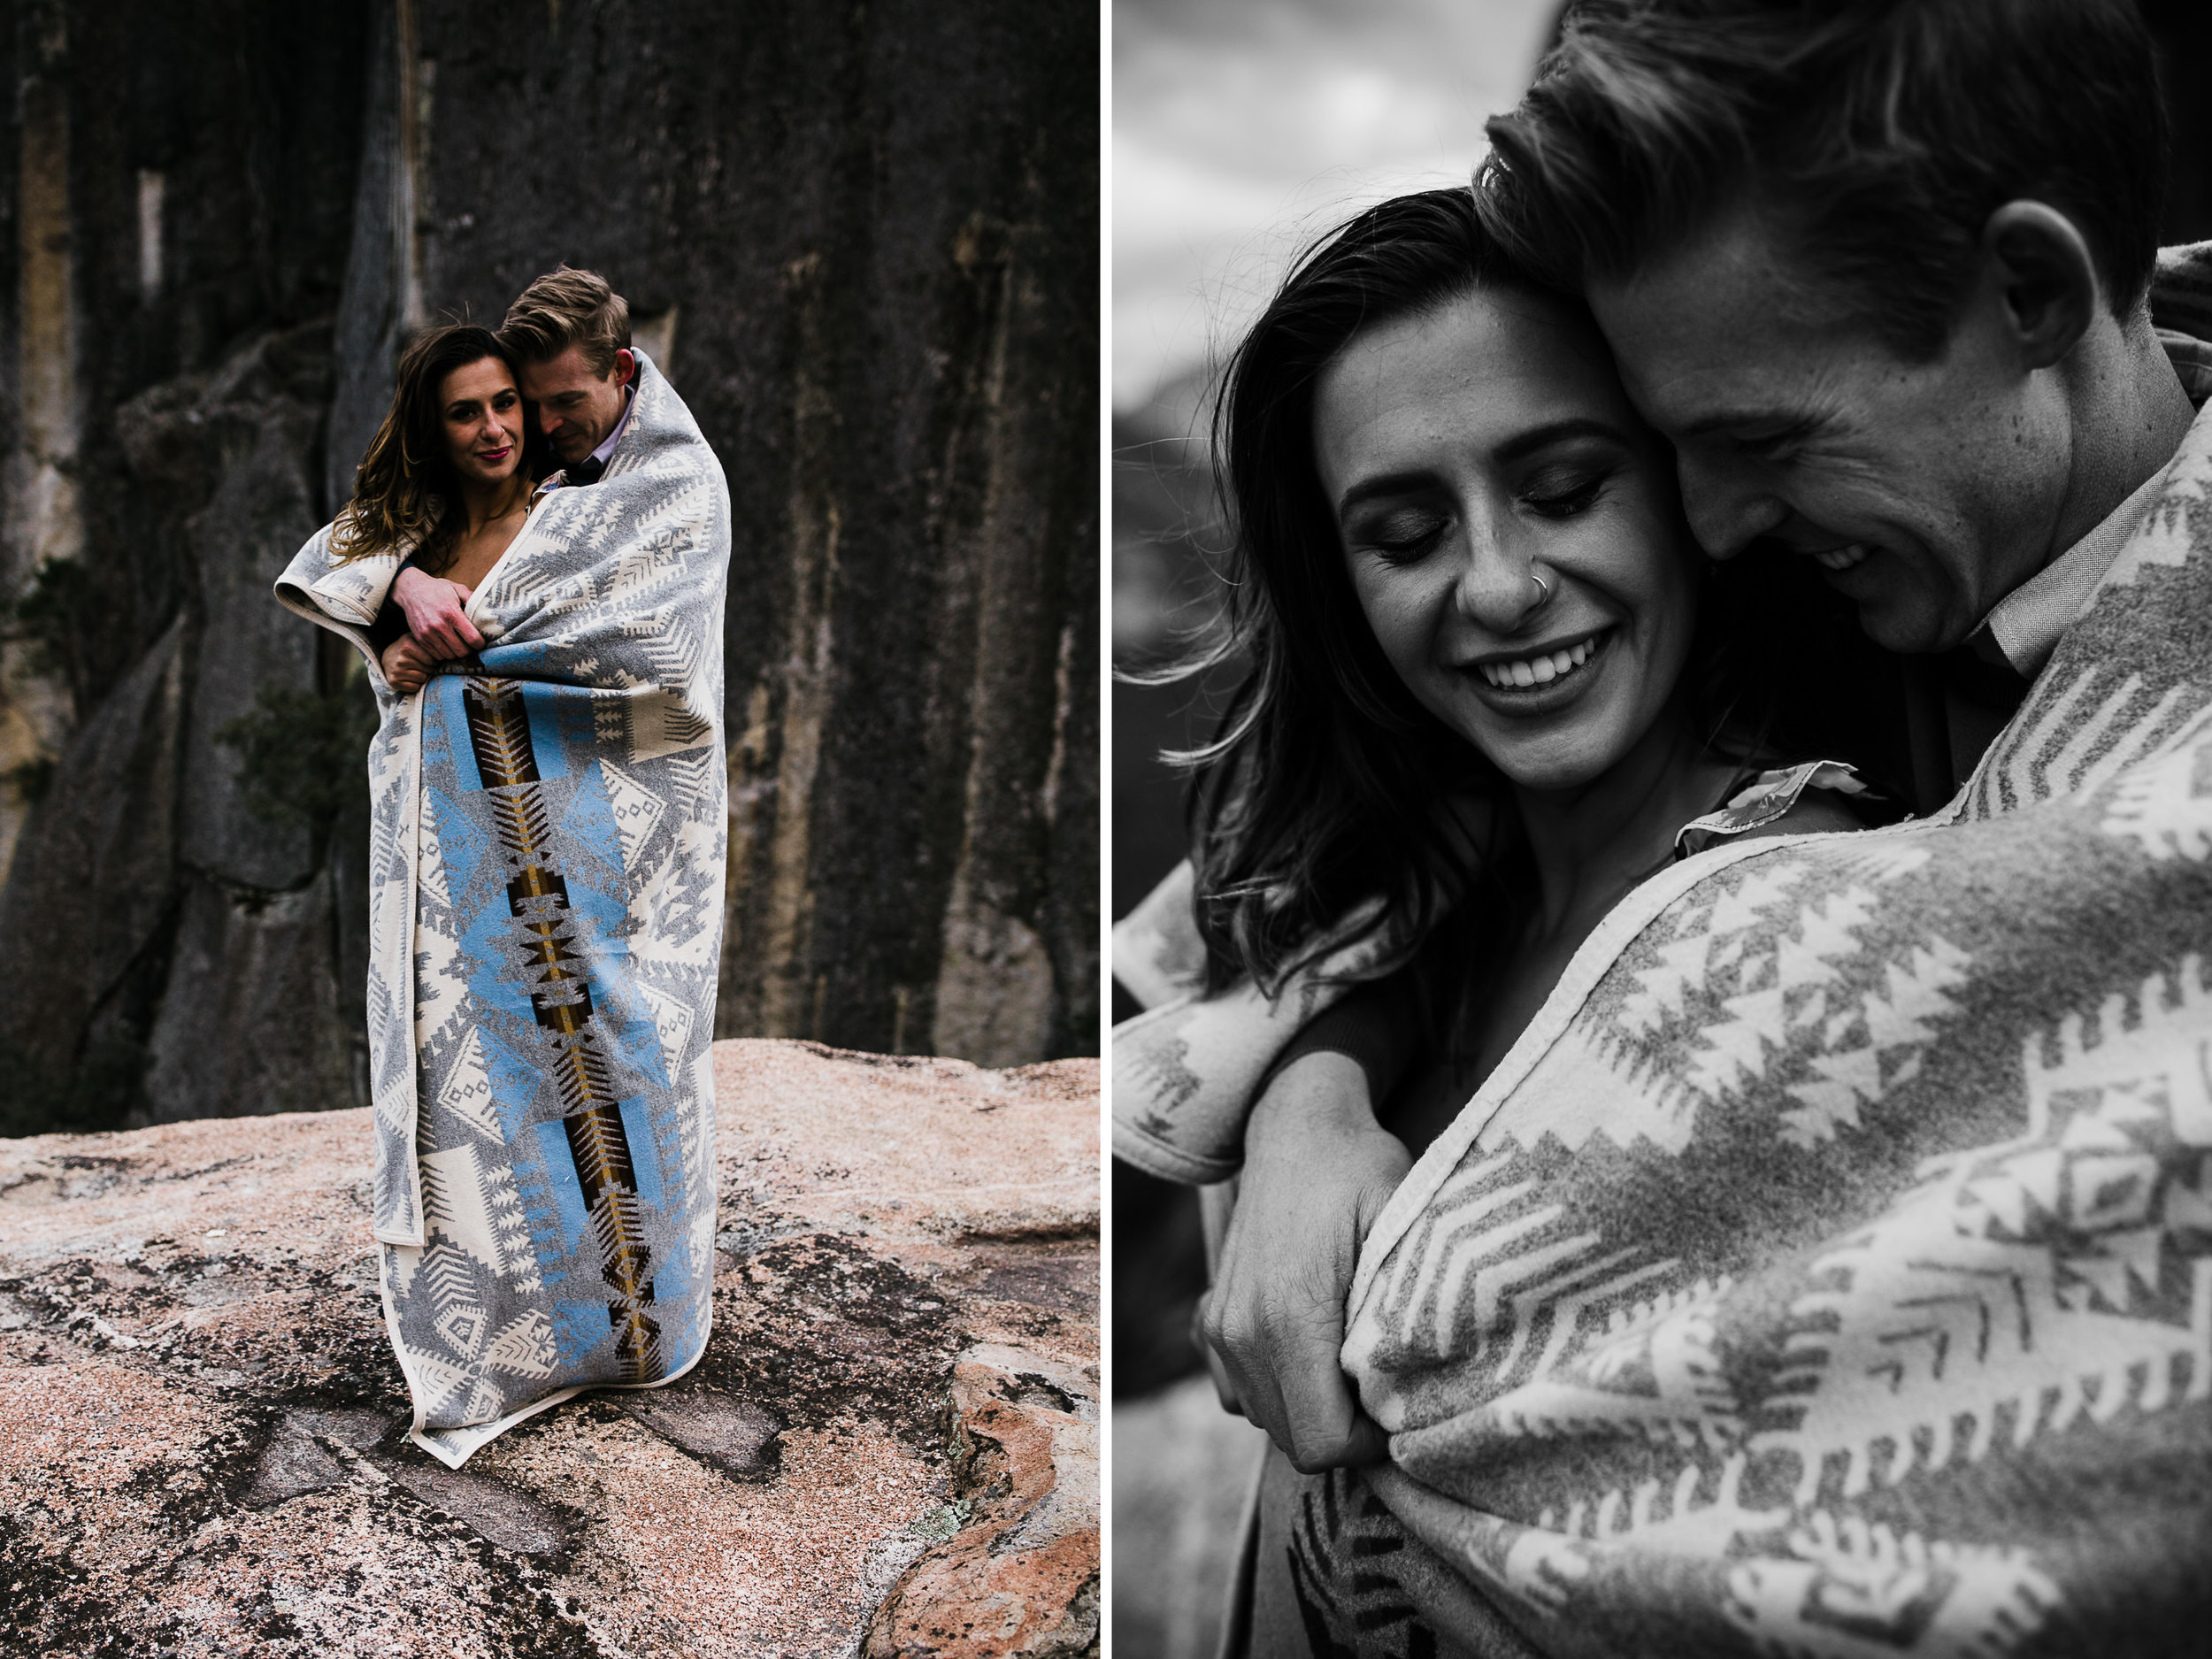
(1828,1268)
(546,901)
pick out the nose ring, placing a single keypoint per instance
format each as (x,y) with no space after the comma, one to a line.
(1543,589)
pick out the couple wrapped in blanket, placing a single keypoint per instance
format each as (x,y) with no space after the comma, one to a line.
(1820,1260)
(545,864)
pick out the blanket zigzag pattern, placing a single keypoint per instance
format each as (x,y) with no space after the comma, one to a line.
(561,994)
(1921,1272)
(2070,747)
(2026,1282)
(1369,1611)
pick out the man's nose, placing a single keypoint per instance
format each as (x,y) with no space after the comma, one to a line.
(1727,506)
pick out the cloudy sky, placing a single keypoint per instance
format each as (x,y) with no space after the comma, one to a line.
(1242,127)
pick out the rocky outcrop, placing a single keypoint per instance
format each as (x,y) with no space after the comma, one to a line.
(1022,1577)
(253,431)
(94,886)
(248,1022)
(193,934)
(890,1448)
(863,239)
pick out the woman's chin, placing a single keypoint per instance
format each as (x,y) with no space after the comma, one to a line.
(1555,769)
(1561,754)
(1562,748)
(482,473)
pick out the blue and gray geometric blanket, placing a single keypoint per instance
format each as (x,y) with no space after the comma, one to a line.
(546,905)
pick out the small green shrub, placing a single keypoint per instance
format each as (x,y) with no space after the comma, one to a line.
(75,618)
(302,757)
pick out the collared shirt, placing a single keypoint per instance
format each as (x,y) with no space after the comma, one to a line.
(2026,623)
(2024,627)
(605,451)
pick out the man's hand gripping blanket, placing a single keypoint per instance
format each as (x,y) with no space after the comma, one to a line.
(1828,1270)
(548,831)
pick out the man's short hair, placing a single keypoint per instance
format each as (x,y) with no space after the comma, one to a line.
(566,308)
(1872,137)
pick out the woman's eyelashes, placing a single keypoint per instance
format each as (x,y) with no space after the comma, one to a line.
(1405,533)
(1556,495)
(504,403)
(1399,538)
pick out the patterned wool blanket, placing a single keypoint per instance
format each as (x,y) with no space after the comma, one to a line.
(545,884)
(1828,1268)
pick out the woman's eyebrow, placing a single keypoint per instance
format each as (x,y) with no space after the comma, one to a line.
(1382,484)
(1522,444)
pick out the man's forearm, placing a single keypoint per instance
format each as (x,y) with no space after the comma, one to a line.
(1377,1028)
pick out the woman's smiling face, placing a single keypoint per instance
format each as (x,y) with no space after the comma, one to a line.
(1459,447)
(482,412)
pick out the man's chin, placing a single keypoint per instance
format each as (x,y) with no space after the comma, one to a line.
(1910,630)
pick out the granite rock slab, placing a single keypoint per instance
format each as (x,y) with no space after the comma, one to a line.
(889,1448)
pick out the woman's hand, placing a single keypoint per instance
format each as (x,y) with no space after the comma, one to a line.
(406,665)
(1318,1171)
(436,615)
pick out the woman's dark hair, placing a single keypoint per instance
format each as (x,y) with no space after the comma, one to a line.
(1326,784)
(405,494)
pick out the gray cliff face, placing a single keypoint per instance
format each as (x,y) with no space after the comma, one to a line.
(861,242)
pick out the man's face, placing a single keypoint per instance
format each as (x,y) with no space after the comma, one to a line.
(1927,491)
(576,408)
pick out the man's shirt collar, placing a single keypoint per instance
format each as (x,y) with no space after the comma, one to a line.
(598,458)
(2024,627)
(605,451)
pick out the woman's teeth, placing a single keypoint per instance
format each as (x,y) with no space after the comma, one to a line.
(1537,671)
(1842,558)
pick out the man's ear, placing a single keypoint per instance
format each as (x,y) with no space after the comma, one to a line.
(625,366)
(2038,265)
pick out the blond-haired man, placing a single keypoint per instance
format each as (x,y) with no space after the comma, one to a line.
(569,333)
